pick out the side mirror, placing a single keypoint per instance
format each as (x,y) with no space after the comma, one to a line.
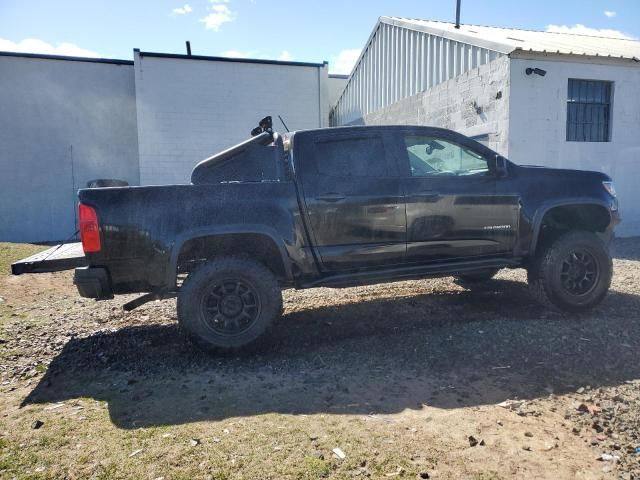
(501,166)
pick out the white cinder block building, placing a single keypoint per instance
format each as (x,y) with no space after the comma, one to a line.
(62,123)
(65,121)
(190,107)
(583,113)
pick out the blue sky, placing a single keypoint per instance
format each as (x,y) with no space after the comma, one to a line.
(300,30)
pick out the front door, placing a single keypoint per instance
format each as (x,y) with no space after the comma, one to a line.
(354,200)
(453,209)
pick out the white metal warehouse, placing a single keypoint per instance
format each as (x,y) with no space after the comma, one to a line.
(482,81)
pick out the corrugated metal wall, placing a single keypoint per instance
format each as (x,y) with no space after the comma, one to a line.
(399,62)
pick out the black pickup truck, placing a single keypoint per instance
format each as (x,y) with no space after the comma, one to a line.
(341,207)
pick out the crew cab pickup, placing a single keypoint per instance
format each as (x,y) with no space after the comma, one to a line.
(340,207)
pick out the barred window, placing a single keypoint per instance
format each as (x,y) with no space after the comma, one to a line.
(588,111)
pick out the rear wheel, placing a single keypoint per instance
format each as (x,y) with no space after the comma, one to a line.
(573,273)
(471,280)
(229,303)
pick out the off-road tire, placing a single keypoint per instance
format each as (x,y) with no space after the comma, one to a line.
(548,268)
(200,299)
(471,280)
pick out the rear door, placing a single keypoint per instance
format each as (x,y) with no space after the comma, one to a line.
(354,200)
(454,210)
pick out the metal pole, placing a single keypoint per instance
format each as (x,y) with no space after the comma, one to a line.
(458,13)
(189,46)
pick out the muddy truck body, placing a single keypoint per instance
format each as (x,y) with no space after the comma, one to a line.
(342,207)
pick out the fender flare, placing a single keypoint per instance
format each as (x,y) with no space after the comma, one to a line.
(551,204)
(257,229)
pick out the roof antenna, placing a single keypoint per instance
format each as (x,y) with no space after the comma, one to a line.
(458,13)
(285,125)
(188,47)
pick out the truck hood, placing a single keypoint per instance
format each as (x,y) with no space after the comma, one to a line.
(543,184)
(542,171)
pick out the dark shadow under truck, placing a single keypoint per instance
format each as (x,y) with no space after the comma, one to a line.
(342,207)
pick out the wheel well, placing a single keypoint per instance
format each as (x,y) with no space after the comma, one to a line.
(255,245)
(593,218)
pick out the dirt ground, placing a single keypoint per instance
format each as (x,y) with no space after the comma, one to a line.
(420,379)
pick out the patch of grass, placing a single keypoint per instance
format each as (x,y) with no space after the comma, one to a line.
(108,472)
(41,368)
(14,459)
(315,468)
(486,476)
(12,252)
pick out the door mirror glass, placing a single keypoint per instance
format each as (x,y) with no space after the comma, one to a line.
(430,156)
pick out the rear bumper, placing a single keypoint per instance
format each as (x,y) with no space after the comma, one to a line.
(93,282)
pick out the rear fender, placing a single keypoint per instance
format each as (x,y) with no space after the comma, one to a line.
(257,229)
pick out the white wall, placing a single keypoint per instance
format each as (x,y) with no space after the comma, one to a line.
(336,84)
(538,125)
(467,104)
(62,123)
(189,109)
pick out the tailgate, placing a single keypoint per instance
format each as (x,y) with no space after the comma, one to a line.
(55,259)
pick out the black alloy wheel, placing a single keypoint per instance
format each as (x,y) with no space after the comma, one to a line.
(579,272)
(230,306)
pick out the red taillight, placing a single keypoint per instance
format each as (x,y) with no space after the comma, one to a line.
(89,229)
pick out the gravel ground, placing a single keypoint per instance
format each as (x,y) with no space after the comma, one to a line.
(544,395)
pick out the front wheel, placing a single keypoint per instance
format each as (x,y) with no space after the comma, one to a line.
(228,303)
(573,273)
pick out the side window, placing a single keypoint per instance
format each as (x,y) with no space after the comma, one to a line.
(351,157)
(431,156)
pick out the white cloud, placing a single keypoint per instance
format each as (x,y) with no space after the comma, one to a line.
(220,15)
(610,13)
(285,56)
(580,29)
(343,63)
(35,45)
(182,10)
(236,54)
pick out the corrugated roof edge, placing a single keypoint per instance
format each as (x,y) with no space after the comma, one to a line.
(227,59)
(67,58)
(529,52)
(459,36)
(496,45)
(338,75)
(520,29)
